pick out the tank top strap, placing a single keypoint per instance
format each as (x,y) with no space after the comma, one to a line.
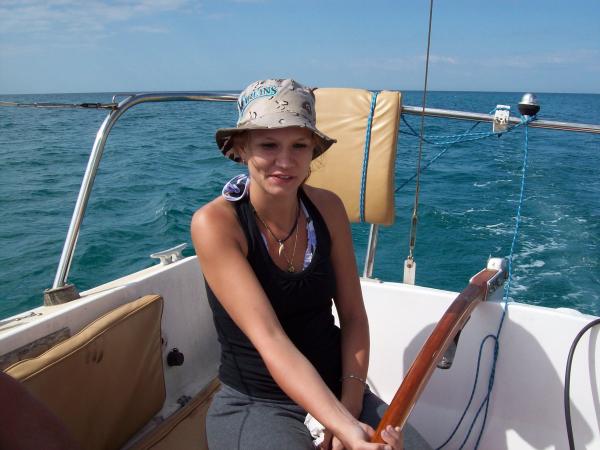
(322,232)
(245,216)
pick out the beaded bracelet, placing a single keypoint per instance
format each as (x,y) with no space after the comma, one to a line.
(351,376)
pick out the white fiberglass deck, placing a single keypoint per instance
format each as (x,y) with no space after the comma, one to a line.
(526,409)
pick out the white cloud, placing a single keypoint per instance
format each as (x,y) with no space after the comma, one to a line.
(402,64)
(16,50)
(148,29)
(68,16)
(217,16)
(587,57)
(439,59)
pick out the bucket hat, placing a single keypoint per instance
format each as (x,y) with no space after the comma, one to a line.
(271,104)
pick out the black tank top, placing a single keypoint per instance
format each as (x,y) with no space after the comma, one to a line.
(302,302)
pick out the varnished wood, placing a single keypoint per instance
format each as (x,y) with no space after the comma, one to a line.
(432,351)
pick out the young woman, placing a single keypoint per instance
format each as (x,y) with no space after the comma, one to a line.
(275,253)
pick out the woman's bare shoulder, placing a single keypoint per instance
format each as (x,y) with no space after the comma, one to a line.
(216,210)
(216,220)
(328,203)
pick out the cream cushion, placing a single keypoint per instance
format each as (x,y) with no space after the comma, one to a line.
(343,114)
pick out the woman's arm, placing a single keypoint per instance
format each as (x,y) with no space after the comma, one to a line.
(221,248)
(348,301)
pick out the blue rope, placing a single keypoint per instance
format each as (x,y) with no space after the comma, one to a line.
(413,132)
(472,393)
(431,161)
(448,136)
(476,136)
(458,138)
(363,183)
(496,338)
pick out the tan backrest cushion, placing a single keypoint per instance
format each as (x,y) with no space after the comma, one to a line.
(343,114)
(106,381)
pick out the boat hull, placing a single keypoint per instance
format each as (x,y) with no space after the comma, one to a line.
(526,406)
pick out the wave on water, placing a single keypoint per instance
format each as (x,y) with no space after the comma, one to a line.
(160,164)
(491,182)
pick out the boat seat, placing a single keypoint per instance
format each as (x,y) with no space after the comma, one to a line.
(105,382)
(360,166)
(185,429)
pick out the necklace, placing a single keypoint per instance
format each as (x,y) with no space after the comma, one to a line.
(281,252)
(290,262)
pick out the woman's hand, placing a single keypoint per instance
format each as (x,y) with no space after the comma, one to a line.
(392,437)
(327,441)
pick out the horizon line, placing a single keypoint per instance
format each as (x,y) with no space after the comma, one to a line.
(220,91)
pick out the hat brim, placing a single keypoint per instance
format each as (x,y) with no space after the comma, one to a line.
(225,141)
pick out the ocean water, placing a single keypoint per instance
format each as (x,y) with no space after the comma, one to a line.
(160,164)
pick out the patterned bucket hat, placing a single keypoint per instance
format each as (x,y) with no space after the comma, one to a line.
(269,104)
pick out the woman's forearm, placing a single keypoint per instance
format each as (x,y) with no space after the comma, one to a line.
(297,377)
(355,361)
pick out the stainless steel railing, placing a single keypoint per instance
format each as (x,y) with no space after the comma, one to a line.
(464,115)
(89,176)
(118,109)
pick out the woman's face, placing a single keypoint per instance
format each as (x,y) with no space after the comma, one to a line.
(278,160)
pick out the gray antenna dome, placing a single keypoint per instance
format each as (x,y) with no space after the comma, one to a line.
(529,106)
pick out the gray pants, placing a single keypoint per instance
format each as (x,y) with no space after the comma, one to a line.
(237,421)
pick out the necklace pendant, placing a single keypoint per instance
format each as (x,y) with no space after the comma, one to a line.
(280,248)
(291,268)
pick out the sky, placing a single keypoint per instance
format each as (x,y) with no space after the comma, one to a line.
(59,46)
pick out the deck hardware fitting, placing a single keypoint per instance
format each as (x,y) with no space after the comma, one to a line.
(175,358)
(60,295)
(448,358)
(501,119)
(501,265)
(410,271)
(170,255)
(371,247)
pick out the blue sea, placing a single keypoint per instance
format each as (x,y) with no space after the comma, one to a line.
(161,163)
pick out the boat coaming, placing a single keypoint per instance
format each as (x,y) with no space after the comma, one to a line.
(526,410)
